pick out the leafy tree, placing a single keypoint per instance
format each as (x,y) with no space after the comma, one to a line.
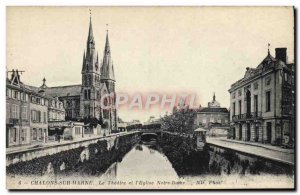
(181,121)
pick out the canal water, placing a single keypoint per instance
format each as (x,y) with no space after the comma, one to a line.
(171,162)
(148,163)
(142,162)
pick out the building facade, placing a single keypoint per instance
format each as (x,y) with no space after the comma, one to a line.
(213,116)
(18,130)
(28,112)
(263,102)
(38,117)
(98,81)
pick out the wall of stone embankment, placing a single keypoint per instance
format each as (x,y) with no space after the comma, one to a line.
(89,156)
(181,152)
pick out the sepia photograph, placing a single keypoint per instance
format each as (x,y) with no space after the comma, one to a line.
(150,98)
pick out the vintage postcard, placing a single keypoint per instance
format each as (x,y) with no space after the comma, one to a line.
(184,98)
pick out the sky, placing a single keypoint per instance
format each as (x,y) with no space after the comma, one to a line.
(201,50)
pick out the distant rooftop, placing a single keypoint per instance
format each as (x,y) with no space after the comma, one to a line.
(62,91)
(220,110)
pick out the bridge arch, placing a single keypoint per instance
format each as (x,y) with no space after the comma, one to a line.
(149,137)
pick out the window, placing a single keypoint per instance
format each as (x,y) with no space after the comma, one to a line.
(39,116)
(240,92)
(77,130)
(33,115)
(85,94)
(23,135)
(89,94)
(45,117)
(40,133)
(23,96)
(15,111)
(233,108)
(204,120)
(240,107)
(7,110)
(16,95)
(255,103)
(24,112)
(34,134)
(36,116)
(268,101)
(13,135)
(9,93)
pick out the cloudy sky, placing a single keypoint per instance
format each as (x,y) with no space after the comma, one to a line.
(163,49)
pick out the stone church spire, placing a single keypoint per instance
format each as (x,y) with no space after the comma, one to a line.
(90,64)
(90,36)
(83,63)
(107,70)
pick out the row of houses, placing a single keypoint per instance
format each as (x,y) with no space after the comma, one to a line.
(33,117)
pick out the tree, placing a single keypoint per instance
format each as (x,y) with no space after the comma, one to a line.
(180,122)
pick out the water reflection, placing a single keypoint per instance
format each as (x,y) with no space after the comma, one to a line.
(142,162)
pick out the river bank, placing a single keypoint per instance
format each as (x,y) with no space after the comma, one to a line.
(94,158)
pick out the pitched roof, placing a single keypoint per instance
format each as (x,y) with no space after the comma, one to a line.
(267,63)
(62,91)
(37,90)
(207,109)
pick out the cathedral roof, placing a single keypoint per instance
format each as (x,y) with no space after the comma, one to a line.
(63,91)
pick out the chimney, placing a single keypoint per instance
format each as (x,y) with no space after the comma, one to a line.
(281,54)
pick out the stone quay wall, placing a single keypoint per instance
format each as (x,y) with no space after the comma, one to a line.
(67,157)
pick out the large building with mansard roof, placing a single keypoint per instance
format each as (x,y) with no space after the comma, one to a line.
(263,102)
(98,79)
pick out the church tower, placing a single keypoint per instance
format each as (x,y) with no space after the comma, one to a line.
(90,88)
(108,79)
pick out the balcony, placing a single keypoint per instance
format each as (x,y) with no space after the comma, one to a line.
(247,116)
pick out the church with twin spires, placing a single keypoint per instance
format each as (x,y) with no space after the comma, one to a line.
(98,80)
